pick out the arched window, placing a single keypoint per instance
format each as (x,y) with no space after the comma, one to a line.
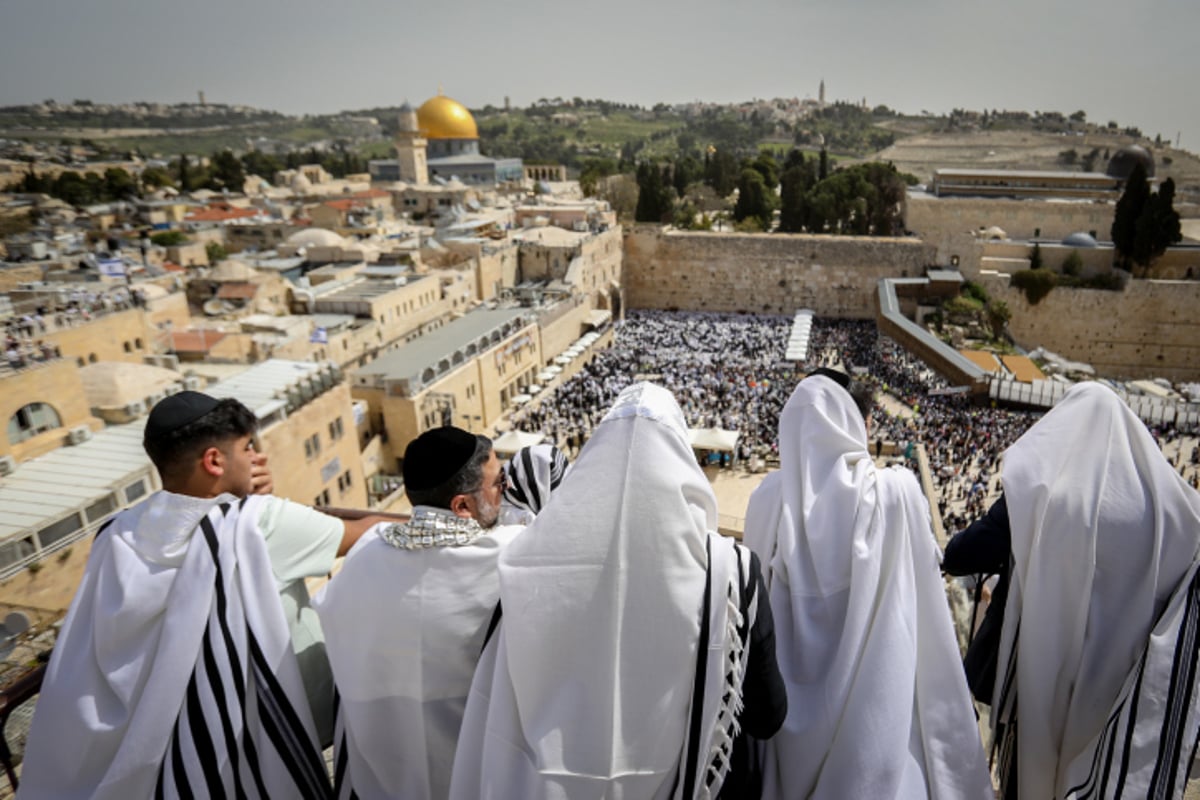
(30,420)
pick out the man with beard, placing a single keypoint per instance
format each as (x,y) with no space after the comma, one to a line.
(406,618)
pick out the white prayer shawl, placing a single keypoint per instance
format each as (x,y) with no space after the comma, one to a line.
(404,629)
(174,671)
(1104,541)
(588,687)
(878,704)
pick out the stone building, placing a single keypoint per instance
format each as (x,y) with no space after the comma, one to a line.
(465,373)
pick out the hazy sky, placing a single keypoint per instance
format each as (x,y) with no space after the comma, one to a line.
(1133,62)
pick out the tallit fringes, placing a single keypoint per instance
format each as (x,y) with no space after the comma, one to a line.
(727,726)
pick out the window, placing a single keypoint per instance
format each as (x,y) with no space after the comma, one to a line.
(344,482)
(135,490)
(335,429)
(30,420)
(312,446)
(322,499)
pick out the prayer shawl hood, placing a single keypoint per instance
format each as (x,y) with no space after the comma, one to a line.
(877,700)
(588,687)
(1097,661)
(174,668)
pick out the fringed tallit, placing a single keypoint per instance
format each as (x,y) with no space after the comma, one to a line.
(174,674)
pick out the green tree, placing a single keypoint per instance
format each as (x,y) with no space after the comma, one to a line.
(168,238)
(998,316)
(1073,264)
(185,174)
(261,164)
(823,169)
(768,167)
(156,177)
(721,171)
(793,187)
(1035,257)
(215,252)
(654,195)
(1129,209)
(1157,228)
(72,188)
(686,171)
(754,199)
(119,184)
(226,172)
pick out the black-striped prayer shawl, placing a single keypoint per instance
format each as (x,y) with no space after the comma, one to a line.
(1150,738)
(174,674)
(237,716)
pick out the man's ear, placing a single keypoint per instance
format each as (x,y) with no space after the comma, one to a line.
(213,462)
(463,506)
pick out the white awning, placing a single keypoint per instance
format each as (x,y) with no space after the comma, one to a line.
(510,442)
(713,439)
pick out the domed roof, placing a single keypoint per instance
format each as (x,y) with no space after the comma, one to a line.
(1080,240)
(442,118)
(1121,164)
(233,270)
(316,237)
(300,183)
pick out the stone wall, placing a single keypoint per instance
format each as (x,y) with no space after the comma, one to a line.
(835,276)
(941,221)
(1151,329)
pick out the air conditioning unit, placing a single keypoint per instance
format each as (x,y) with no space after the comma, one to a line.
(8,465)
(78,434)
(135,409)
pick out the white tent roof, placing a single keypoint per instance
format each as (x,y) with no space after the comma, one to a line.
(510,442)
(713,439)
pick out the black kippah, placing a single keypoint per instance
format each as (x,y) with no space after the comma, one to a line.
(436,456)
(840,378)
(173,412)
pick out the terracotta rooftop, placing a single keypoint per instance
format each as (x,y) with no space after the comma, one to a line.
(195,341)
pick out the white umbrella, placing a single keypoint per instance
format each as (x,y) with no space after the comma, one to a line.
(563,359)
(533,388)
(521,399)
(553,369)
(545,375)
(574,352)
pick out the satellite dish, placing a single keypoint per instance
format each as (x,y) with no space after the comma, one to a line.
(213,307)
(16,623)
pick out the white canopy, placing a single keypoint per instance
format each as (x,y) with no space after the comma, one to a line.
(521,399)
(510,442)
(713,439)
(563,359)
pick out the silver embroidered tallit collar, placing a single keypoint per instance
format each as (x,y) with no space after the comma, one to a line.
(432,527)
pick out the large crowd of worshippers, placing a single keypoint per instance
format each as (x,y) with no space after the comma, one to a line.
(728,371)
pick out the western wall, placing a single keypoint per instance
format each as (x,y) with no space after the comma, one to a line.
(1148,330)
(1151,329)
(835,276)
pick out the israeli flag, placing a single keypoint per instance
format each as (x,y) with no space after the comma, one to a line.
(319,336)
(113,267)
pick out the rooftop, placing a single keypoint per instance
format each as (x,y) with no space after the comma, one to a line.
(409,361)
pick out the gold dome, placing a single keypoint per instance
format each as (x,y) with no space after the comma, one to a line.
(442,118)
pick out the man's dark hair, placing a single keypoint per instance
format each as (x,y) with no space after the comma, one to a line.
(863,396)
(174,453)
(468,479)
